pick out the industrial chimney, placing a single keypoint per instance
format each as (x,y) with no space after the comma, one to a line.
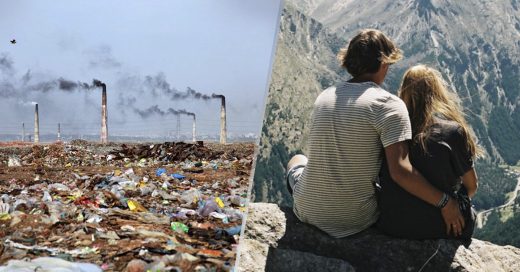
(104,118)
(194,126)
(59,132)
(23,132)
(223,129)
(178,127)
(36,124)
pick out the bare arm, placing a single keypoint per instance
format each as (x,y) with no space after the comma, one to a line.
(470,181)
(403,173)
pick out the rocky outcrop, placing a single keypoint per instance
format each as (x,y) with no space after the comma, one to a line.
(286,244)
(265,225)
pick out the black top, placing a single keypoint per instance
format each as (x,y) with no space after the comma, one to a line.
(446,159)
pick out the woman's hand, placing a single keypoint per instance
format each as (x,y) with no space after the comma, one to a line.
(453,218)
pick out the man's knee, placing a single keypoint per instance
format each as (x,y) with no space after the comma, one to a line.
(296,160)
(295,168)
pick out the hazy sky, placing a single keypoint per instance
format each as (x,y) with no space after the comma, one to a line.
(222,47)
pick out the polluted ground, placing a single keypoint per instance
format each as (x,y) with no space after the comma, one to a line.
(122,207)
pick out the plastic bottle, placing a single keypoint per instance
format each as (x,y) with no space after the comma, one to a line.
(191,196)
(209,207)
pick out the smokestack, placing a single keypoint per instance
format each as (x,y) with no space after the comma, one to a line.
(36,124)
(223,129)
(23,132)
(194,126)
(59,132)
(178,127)
(104,117)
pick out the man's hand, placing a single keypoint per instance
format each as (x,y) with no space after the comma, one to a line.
(453,218)
(413,182)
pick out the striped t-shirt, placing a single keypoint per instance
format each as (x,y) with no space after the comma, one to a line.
(351,123)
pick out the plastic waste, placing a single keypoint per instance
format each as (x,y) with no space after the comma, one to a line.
(49,264)
(191,196)
(219,202)
(93,218)
(13,162)
(4,211)
(221,216)
(58,187)
(233,215)
(5,198)
(208,207)
(178,176)
(46,197)
(129,171)
(4,208)
(183,213)
(160,171)
(234,230)
(146,190)
(166,185)
(135,206)
(142,162)
(179,227)
(120,196)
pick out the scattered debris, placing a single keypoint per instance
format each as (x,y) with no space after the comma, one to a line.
(158,207)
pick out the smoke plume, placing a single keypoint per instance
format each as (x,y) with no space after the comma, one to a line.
(158,84)
(6,64)
(155,110)
(64,85)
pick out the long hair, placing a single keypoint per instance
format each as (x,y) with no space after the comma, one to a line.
(425,94)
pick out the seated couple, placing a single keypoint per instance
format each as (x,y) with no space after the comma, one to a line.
(402,163)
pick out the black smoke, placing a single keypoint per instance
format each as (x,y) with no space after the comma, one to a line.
(6,64)
(155,110)
(64,85)
(159,85)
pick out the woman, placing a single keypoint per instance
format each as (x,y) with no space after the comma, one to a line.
(442,149)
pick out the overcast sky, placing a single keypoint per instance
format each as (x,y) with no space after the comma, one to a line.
(222,47)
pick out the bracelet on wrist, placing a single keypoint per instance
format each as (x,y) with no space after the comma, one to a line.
(444,200)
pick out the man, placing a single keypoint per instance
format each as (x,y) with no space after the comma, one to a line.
(352,125)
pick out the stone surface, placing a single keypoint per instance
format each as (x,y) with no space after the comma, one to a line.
(305,248)
(253,255)
(292,260)
(265,223)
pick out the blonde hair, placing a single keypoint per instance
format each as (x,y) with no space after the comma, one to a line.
(425,94)
(367,51)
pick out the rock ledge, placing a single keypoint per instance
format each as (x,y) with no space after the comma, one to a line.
(275,240)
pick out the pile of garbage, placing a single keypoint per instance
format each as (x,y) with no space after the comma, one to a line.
(170,151)
(139,207)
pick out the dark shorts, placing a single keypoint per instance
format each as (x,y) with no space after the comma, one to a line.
(293,175)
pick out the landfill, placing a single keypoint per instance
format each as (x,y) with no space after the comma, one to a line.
(82,206)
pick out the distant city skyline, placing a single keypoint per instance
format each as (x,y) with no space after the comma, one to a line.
(135,48)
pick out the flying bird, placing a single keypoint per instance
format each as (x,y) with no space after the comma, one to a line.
(13,41)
